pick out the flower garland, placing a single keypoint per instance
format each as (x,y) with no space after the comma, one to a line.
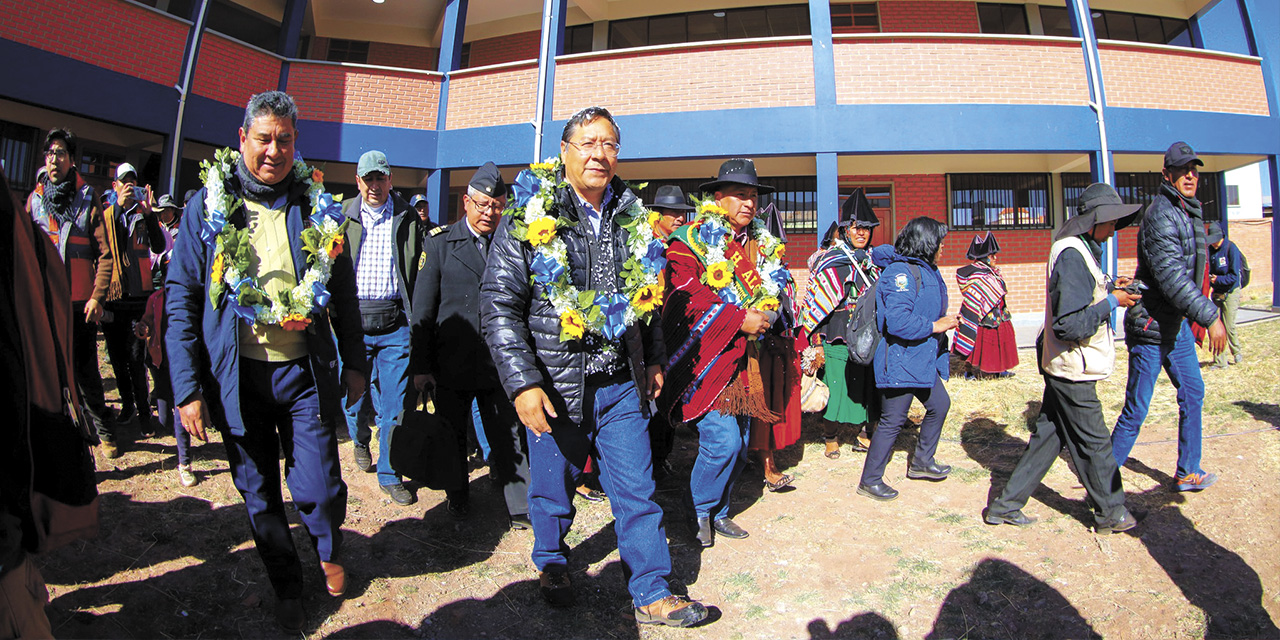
(586,311)
(322,239)
(712,225)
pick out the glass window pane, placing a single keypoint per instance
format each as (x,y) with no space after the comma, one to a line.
(706,26)
(1056,21)
(1149,29)
(578,39)
(841,15)
(1015,20)
(1176,32)
(1099,25)
(1120,26)
(989,18)
(789,21)
(667,30)
(747,23)
(624,34)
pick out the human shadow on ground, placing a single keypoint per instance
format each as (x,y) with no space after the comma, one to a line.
(1000,600)
(1210,576)
(1262,412)
(864,626)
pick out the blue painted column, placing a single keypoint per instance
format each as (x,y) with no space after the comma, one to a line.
(295,12)
(1260,18)
(553,43)
(824,89)
(452,32)
(171,159)
(1101,166)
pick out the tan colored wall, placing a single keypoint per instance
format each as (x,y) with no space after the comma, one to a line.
(354,95)
(879,70)
(507,95)
(1148,78)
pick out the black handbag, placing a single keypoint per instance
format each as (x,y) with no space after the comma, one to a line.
(424,448)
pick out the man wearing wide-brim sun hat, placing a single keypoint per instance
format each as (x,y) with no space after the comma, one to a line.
(727,284)
(1076,349)
(985,337)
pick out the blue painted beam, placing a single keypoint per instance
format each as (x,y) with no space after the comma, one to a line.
(828,196)
(1153,130)
(824,61)
(454,24)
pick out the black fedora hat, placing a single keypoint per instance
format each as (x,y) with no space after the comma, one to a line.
(857,211)
(982,247)
(736,171)
(670,196)
(1098,203)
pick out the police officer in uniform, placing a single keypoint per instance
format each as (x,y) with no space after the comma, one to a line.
(449,351)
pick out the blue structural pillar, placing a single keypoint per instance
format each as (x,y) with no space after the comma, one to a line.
(1260,20)
(828,197)
(824,61)
(1100,161)
(295,12)
(172,156)
(451,34)
(552,46)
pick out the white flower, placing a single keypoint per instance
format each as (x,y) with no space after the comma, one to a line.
(231,276)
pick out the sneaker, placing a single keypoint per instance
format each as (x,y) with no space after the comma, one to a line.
(1238,359)
(364,459)
(399,493)
(1125,523)
(1196,481)
(673,611)
(187,477)
(1220,365)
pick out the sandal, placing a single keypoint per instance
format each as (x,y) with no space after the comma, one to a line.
(832,452)
(861,443)
(784,481)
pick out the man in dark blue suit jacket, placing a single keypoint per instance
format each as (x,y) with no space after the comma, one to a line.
(268,384)
(449,351)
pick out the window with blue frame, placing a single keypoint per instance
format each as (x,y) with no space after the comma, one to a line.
(999,200)
(1119,25)
(1139,188)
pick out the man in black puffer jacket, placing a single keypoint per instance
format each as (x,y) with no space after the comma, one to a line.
(1172,254)
(581,388)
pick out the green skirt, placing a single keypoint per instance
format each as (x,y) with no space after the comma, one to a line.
(851,386)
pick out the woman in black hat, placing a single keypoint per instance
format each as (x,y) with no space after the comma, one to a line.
(839,276)
(985,336)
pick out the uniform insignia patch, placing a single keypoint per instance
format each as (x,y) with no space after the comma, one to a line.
(438,230)
(901,282)
(422,260)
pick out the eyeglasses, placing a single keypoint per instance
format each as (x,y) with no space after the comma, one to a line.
(589,148)
(494,206)
(55,153)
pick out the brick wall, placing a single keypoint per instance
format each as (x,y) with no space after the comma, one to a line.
(1146,77)
(517,46)
(687,79)
(915,16)
(495,97)
(958,70)
(105,33)
(353,95)
(230,72)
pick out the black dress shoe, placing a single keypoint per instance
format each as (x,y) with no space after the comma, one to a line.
(555,587)
(704,531)
(878,491)
(729,529)
(592,495)
(290,616)
(933,471)
(1016,518)
(364,459)
(459,509)
(398,493)
(521,522)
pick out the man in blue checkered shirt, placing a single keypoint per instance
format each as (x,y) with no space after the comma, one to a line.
(385,243)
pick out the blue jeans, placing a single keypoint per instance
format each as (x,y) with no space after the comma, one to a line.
(722,453)
(616,434)
(388,356)
(1180,362)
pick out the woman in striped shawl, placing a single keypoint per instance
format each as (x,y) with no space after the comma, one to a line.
(985,336)
(839,276)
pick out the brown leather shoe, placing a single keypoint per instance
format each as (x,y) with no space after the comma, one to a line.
(290,616)
(335,578)
(673,611)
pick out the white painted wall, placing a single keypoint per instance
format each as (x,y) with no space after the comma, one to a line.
(1249,180)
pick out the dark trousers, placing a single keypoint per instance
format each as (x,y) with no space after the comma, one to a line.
(167,411)
(84,358)
(1070,416)
(662,437)
(894,404)
(128,360)
(281,408)
(508,447)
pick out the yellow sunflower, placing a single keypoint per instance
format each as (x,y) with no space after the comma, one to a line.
(572,324)
(541,231)
(720,274)
(334,247)
(219,266)
(715,210)
(647,298)
(768,304)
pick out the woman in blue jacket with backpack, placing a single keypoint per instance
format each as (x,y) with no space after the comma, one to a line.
(912,359)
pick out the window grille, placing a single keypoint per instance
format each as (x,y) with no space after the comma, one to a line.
(999,200)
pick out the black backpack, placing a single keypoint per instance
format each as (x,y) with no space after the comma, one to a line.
(862,334)
(1244,269)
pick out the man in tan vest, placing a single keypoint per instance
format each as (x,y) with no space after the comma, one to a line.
(1076,349)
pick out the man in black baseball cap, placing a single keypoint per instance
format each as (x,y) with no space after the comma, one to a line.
(1172,258)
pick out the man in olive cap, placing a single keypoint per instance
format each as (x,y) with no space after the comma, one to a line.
(384,244)
(449,352)
(1076,350)
(1172,259)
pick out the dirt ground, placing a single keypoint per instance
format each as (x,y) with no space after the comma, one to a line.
(821,561)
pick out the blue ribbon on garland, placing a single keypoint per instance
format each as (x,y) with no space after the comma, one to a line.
(654,258)
(212,226)
(326,207)
(711,233)
(321,296)
(525,187)
(614,306)
(545,269)
(248,314)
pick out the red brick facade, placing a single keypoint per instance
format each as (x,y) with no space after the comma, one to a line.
(922,16)
(687,79)
(114,35)
(356,95)
(511,48)
(1142,77)
(487,98)
(230,72)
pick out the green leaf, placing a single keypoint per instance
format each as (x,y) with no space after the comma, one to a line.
(587,299)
